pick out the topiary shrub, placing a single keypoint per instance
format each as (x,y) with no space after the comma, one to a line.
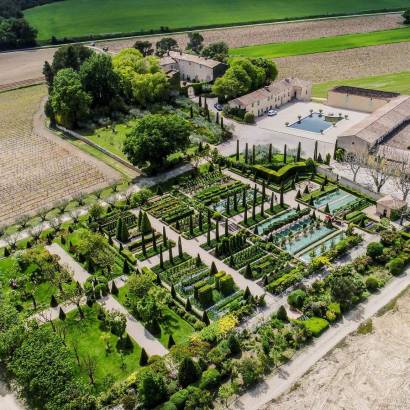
(210,379)
(205,295)
(316,325)
(396,266)
(249,118)
(282,314)
(296,298)
(226,285)
(372,283)
(179,398)
(374,249)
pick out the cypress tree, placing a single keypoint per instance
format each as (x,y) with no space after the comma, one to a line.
(144,249)
(214,270)
(179,247)
(191,112)
(263,191)
(217,118)
(254,211)
(298,208)
(198,260)
(53,301)
(270,154)
(226,228)
(114,289)
(315,152)
(164,237)
(228,210)
(154,240)
(191,225)
(146,224)
(271,203)
(235,202)
(173,292)
(143,358)
(188,306)
(285,154)
(209,217)
(171,258)
(327,209)
(217,231)
(244,197)
(262,209)
(208,236)
(281,196)
(253,154)
(171,341)
(246,153)
(311,201)
(299,152)
(200,101)
(247,293)
(265,280)
(139,219)
(248,272)
(187,372)
(118,234)
(319,158)
(233,344)
(125,267)
(177,225)
(237,150)
(282,314)
(245,215)
(200,221)
(335,151)
(161,258)
(255,193)
(222,122)
(314,215)
(61,314)
(205,318)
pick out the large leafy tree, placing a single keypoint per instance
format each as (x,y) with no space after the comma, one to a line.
(151,389)
(144,47)
(69,101)
(217,51)
(99,79)
(243,76)
(141,78)
(16,33)
(164,45)
(155,137)
(195,42)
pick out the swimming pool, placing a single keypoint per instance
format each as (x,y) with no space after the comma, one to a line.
(323,247)
(335,199)
(313,123)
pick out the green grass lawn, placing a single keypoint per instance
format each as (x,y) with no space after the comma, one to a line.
(85,17)
(88,334)
(42,291)
(397,82)
(322,45)
(171,323)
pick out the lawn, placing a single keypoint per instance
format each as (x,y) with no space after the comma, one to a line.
(322,45)
(42,291)
(397,82)
(171,323)
(89,335)
(84,17)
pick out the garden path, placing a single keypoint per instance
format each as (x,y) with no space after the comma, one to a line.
(288,374)
(134,328)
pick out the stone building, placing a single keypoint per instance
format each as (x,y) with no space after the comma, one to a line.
(273,96)
(192,68)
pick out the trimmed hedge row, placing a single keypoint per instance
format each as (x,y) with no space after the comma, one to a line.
(277,176)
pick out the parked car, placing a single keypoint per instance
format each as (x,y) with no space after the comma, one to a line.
(218,107)
(272,113)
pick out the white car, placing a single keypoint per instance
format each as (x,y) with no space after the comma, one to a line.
(272,113)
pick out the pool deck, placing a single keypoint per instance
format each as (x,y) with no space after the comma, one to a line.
(289,113)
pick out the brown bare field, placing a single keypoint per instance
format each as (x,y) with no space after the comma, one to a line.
(24,65)
(369,371)
(347,64)
(38,168)
(279,33)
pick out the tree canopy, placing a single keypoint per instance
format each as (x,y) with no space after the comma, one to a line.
(217,51)
(141,78)
(154,138)
(243,76)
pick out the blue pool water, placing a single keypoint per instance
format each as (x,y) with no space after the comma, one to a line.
(298,244)
(324,246)
(271,221)
(315,123)
(336,200)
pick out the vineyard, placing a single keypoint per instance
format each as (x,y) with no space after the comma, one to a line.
(36,170)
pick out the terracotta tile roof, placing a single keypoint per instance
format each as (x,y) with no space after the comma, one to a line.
(207,62)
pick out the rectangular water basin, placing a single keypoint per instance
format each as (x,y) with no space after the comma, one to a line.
(313,123)
(271,221)
(322,248)
(336,200)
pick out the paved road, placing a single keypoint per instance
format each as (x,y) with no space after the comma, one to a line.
(282,380)
(134,328)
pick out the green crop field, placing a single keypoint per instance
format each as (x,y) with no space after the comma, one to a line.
(396,82)
(322,45)
(73,18)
